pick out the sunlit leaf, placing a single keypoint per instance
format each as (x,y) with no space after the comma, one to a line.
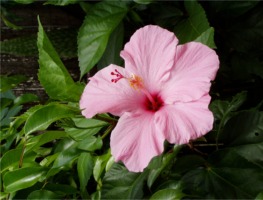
(94,33)
(52,74)
(44,116)
(22,178)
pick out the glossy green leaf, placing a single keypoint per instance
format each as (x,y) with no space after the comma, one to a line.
(143,1)
(89,123)
(85,168)
(207,38)
(90,143)
(67,154)
(43,194)
(168,194)
(61,2)
(24,1)
(9,82)
(119,183)
(94,33)
(44,138)
(195,23)
(44,116)
(166,160)
(52,74)
(81,134)
(10,159)
(22,178)
(114,47)
(100,164)
(26,98)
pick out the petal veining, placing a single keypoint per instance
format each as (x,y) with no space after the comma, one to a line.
(183,122)
(136,140)
(194,68)
(103,95)
(150,54)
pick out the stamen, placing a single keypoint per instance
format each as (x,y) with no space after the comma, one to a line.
(118,75)
(136,82)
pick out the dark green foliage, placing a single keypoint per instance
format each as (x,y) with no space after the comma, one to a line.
(50,151)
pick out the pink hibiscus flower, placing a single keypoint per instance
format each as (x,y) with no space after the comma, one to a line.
(161,94)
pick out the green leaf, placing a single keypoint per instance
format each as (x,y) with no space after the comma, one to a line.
(24,1)
(168,194)
(44,138)
(43,194)
(221,109)
(244,134)
(114,47)
(207,38)
(143,1)
(119,183)
(194,25)
(100,164)
(61,2)
(53,75)
(94,33)
(85,168)
(89,123)
(90,143)
(22,178)
(259,196)
(61,189)
(81,134)
(9,82)
(10,159)
(68,153)
(235,171)
(45,115)
(26,98)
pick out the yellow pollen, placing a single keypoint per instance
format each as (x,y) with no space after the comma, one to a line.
(136,82)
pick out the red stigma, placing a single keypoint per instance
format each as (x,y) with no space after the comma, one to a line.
(117,74)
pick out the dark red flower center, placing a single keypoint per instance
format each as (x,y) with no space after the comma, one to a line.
(155,104)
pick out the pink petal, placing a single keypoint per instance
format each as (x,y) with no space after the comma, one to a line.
(150,55)
(195,66)
(182,122)
(101,95)
(136,140)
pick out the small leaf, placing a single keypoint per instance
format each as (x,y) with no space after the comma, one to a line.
(119,183)
(94,33)
(168,194)
(43,194)
(90,143)
(194,25)
(53,75)
(9,82)
(22,178)
(100,164)
(44,138)
(45,115)
(60,2)
(10,159)
(85,168)
(26,98)
(207,38)
(24,1)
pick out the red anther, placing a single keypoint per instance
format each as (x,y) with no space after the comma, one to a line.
(118,75)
